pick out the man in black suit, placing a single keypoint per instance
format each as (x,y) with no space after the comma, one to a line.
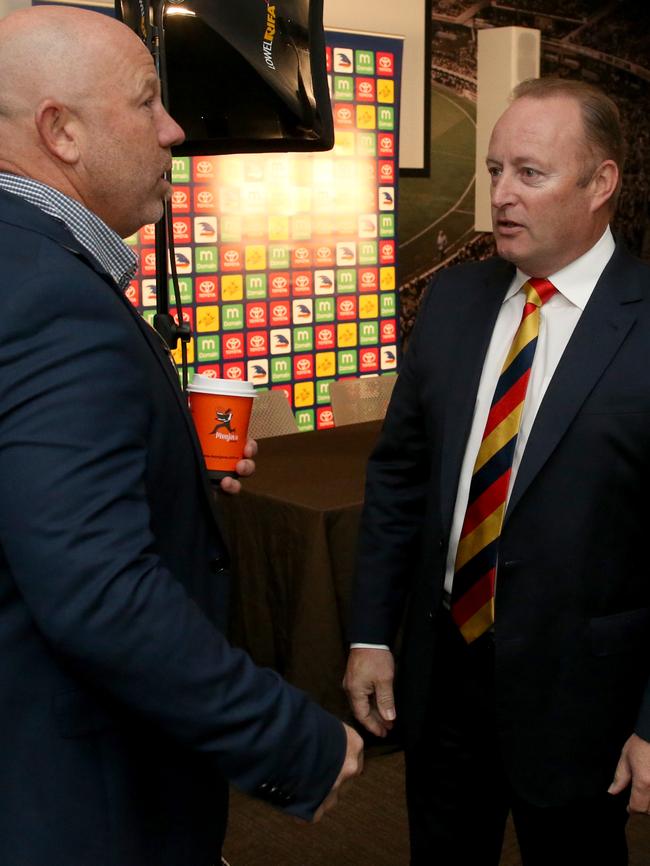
(529,691)
(124,709)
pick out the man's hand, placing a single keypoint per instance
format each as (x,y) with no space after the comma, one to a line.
(368,683)
(634,767)
(352,766)
(244,468)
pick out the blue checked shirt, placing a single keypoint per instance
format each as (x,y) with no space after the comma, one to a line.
(87,228)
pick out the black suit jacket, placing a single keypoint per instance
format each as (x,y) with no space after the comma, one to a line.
(573,586)
(123,708)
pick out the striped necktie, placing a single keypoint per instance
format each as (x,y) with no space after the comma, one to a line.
(472,594)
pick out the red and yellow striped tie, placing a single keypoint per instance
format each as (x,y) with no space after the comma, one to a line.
(472,594)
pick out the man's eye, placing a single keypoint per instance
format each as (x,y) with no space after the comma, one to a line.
(530,172)
(493,171)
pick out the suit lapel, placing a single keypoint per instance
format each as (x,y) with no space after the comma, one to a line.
(475,325)
(602,328)
(161,351)
(16,211)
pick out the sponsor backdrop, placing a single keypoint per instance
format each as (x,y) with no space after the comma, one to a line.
(287,262)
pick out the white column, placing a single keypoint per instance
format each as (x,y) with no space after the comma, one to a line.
(506,56)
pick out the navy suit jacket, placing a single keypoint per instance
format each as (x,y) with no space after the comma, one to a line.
(572,603)
(123,708)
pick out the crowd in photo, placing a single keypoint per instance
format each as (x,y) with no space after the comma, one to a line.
(622,33)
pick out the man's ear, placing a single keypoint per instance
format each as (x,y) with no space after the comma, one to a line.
(604,183)
(57,130)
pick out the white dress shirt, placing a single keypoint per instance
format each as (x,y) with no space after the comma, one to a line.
(559,316)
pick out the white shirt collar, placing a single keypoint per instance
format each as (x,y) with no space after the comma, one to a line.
(577,280)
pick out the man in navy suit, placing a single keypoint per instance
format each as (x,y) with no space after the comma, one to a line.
(124,709)
(543,710)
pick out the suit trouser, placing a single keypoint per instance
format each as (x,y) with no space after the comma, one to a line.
(457,791)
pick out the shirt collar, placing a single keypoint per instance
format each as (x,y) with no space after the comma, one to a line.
(104,244)
(577,280)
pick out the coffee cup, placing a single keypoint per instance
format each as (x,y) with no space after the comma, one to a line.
(221,409)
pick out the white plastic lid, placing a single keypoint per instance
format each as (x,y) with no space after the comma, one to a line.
(235,387)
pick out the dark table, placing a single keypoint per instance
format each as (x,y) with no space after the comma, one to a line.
(293,533)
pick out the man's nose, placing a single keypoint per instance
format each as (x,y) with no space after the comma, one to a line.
(502,191)
(169,132)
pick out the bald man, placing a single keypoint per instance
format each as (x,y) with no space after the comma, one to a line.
(124,710)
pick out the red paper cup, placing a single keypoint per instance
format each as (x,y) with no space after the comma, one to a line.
(221,410)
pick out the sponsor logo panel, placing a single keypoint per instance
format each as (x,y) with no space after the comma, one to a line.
(303,394)
(257,343)
(323,386)
(324,417)
(258,371)
(305,420)
(207,318)
(385,63)
(233,346)
(388,357)
(301,289)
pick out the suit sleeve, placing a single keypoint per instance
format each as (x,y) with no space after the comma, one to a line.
(75,530)
(397,484)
